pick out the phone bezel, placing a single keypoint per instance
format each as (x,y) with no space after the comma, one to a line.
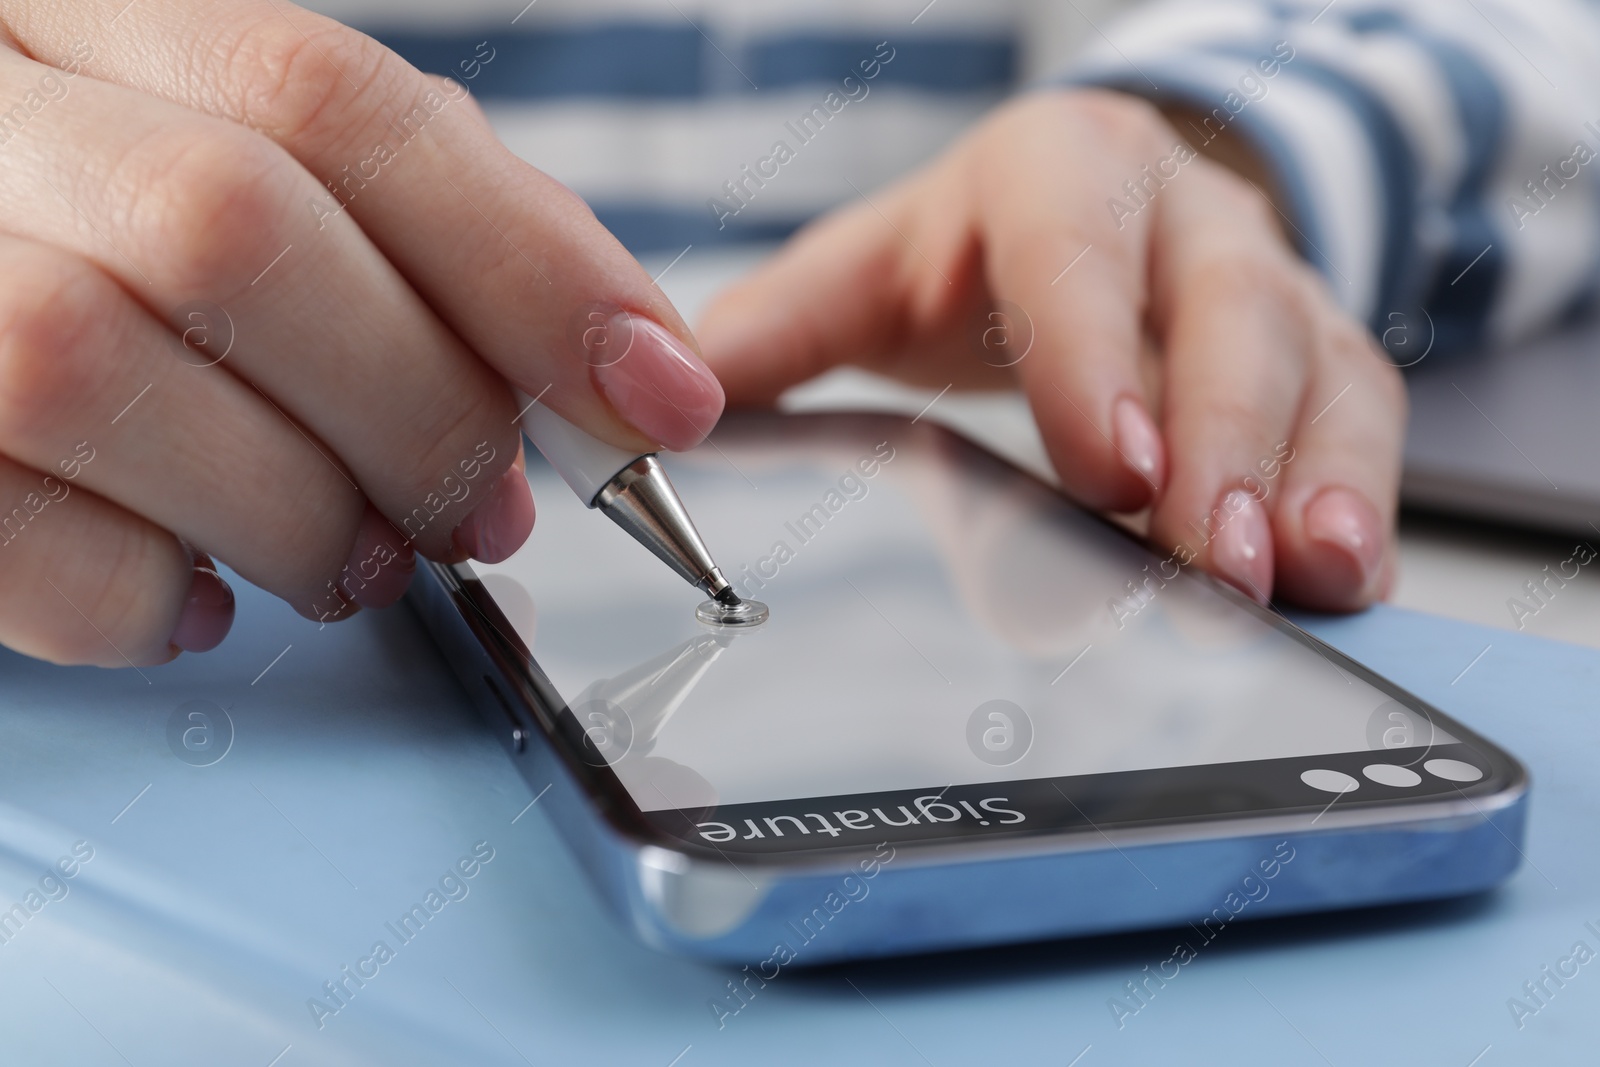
(1503,785)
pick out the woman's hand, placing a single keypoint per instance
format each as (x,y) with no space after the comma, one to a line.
(1175,351)
(262,287)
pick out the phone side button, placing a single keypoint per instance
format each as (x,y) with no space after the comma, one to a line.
(1329,781)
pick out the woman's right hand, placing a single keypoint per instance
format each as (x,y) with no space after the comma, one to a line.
(205,351)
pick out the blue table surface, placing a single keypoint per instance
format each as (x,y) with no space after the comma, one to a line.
(219,899)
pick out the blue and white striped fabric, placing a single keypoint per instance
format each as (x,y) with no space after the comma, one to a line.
(652,109)
(1435,153)
(1434,156)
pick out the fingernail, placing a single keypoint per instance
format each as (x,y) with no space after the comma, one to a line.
(657,383)
(1242,551)
(207,613)
(1344,520)
(1139,442)
(500,524)
(380,566)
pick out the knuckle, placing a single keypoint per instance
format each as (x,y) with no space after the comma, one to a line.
(1113,122)
(1348,353)
(300,86)
(1388,383)
(48,302)
(1238,278)
(214,204)
(1132,127)
(1252,216)
(1237,414)
(1393,384)
(1251,208)
(1119,117)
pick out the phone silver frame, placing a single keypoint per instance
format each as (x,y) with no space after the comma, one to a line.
(933,895)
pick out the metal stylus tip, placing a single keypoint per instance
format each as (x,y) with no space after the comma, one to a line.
(641,500)
(725,595)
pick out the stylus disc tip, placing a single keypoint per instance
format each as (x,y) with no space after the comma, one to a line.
(744,614)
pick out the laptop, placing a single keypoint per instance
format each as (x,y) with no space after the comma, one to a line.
(1510,436)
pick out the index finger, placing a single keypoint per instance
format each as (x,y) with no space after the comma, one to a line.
(511,259)
(1078,271)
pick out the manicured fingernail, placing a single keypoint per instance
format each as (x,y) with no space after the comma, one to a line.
(1343,519)
(500,524)
(1242,551)
(1139,442)
(381,564)
(657,383)
(207,612)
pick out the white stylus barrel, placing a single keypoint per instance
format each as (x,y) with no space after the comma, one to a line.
(632,490)
(585,463)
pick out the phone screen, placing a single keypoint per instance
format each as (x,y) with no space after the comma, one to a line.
(953,648)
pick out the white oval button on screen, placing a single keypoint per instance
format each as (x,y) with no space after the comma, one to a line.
(1329,781)
(1452,770)
(1389,774)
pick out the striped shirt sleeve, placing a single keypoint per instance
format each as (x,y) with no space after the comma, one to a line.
(713,122)
(1434,157)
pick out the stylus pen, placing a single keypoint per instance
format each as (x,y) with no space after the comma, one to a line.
(633,490)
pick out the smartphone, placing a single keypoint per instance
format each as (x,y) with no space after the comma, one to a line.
(978,713)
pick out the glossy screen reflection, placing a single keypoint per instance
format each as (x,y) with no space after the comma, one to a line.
(937,619)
